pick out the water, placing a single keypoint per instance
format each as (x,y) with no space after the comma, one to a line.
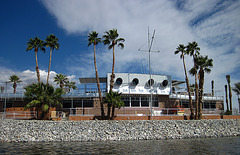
(226,145)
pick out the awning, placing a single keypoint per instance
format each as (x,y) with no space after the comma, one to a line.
(93,80)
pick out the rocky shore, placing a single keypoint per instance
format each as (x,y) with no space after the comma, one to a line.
(43,131)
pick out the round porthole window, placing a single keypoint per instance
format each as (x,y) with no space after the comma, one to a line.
(150,82)
(135,81)
(165,83)
(119,81)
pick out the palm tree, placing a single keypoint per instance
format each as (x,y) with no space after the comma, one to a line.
(193,50)
(61,79)
(226,94)
(36,44)
(52,42)
(114,99)
(93,39)
(212,84)
(236,89)
(182,50)
(42,96)
(230,92)
(14,79)
(71,85)
(204,64)
(111,39)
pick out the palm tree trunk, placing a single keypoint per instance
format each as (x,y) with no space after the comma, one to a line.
(230,96)
(50,59)
(113,75)
(201,84)
(37,68)
(61,84)
(111,81)
(113,111)
(98,84)
(109,111)
(14,87)
(226,97)
(188,88)
(196,93)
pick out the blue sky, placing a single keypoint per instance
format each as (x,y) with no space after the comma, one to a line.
(213,24)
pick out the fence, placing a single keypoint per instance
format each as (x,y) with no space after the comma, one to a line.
(19,115)
(141,111)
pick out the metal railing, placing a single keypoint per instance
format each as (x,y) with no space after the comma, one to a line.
(19,115)
(140,111)
(186,97)
(84,111)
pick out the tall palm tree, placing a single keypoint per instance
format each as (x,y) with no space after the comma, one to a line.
(226,94)
(111,39)
(182,50)
(61,79)
(236,89)
(42,96)
(36,44)
(14,79)
(193,50)
(52,42)
(230,92)
(93,39)
(204,64)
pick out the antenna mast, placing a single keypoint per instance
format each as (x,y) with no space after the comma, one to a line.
(149,50)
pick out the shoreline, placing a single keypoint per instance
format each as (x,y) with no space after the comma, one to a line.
(105,130)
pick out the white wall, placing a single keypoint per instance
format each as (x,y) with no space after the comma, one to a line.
(142,87)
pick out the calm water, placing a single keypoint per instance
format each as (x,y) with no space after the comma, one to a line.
(228,145)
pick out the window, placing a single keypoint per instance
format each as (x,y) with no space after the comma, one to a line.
(67,103)
(139,101)
(77,103)
(135,101)
(144,102)
(185,104)
(88,103)
(126,101)
(213,105)
(209,105)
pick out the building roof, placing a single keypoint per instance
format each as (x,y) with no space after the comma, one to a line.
(176,83)
(104,80)
(93,80)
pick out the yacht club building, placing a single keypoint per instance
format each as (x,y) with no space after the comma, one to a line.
(142,96)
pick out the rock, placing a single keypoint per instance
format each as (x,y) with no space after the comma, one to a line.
(41,131)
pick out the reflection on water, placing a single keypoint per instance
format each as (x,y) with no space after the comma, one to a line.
(226,145)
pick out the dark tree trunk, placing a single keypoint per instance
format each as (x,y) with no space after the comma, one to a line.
(50,60)
(113,112)
(111,80)
(98,84)
(196,92)
(226,97)
(188,88)
(37,68)
(201,85)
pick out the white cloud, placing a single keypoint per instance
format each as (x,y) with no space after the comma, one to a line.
(214,25)
(28,77)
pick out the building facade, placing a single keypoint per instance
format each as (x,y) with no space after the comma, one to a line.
(141,94)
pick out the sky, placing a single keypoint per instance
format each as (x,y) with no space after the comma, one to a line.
(214,25)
